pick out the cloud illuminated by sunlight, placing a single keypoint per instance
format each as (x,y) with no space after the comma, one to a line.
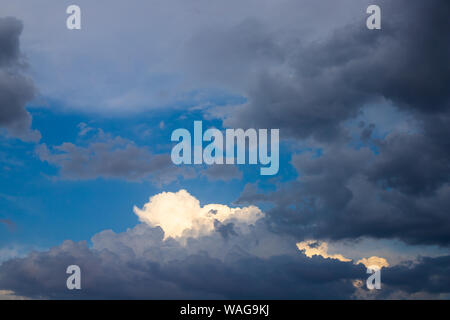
(374,261)
(179,214)
(316,248)
(319,248)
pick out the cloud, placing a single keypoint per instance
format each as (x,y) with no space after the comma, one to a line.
(415,164)
(180,214)
(314,248)
(393,185)
(374,261)
(109,157)
(144,263)
(347,203)
(428,275)
(10,252)
(321,83)
(309,79)
(320,248)
(169,68)
(16,89)
(9,41)
(252,263)
(119,274)
(426,278)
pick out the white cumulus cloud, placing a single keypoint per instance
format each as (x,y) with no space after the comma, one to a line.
(180,215)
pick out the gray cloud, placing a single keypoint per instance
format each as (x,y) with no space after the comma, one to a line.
(397,188)
(10,30)
(105,275)
(171,56)
(109,157)
(101,155)
(16,89)
(310,88)
(139,264)
(415,164)
(428,275)
(335,197)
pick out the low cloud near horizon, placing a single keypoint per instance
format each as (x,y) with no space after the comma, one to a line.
(238,258)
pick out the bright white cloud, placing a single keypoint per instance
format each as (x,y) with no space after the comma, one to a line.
(180,215)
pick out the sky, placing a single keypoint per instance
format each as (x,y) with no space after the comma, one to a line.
(86,176)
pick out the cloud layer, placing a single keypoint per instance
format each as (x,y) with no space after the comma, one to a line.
(247,263)
(355,181)
(109,157)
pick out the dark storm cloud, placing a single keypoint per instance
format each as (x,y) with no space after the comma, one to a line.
(138,264)
(16,89)
(415,164)
(349,204)
(168,270)
(10,30)
(320,84)
(401,191)
(427,275)
(335,198)
(426,278)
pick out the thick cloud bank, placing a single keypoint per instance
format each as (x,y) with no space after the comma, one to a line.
(372,179)
(239,258)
